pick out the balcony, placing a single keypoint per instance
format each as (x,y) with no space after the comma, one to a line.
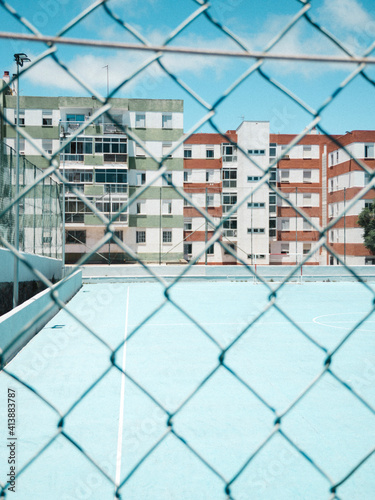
(112,128)
(230,233)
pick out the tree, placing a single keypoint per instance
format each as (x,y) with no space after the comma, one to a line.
(366,219)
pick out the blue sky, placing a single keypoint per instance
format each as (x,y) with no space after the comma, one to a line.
(255,23)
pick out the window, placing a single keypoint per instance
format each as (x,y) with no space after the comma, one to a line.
(139,151)
(210,200)
(229,152)
(210,250)
(368,203)
(253,178)
(188,225)
(209,175)
(110,145)
(272,226)
(167,207)
(331,160)
(272,203)
(21,118)
(187,175)
(285,248)
(284,175)
(273,174)
(75,118)
(306,199)
(188,248)
(167,121)
(257,256)
(256,152)
(167,179)
(167,236)
(369,150)
(306,225)
(140,120)
(166,147)
(306,248)
(230,227)
(119,235)
(140,236)
(229,178)
(256,204)
(255,230)
(141,178)
(75,237)
(141,207)
(46,118)
(229,200)
(307,176)
(78,147)
(284,224)
(187,152)
(47,145)
(104,176)
(273,149)
(209,152)
(307,151)
(47,240)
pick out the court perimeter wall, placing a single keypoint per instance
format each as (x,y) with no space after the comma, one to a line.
(20,325)
(51,268)
(93,273)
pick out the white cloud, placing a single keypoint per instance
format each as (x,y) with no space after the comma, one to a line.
(347,15)
(301,39)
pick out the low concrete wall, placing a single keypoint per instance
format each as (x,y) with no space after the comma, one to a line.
(93,273)
(48,266)
(22,318)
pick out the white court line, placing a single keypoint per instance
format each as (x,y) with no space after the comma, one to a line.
(335,324)
(122,399)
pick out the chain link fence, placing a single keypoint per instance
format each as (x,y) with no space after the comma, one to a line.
(40,229)
(51,219)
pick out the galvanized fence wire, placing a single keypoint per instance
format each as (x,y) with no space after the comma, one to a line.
(8,204)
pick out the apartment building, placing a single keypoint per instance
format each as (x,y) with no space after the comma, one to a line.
(217,176)
(217,172)
(302,180)
(345,180)
(314,175)
(109,168)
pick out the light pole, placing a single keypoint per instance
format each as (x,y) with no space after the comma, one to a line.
(62,137)
(20,59)
(106,66)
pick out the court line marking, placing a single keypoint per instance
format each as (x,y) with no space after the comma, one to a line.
(334,324)
(122,398)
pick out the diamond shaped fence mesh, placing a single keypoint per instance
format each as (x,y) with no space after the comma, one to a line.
(39,198)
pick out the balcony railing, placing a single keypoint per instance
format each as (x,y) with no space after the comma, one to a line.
(230,158)
(70,127)
(230,233)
